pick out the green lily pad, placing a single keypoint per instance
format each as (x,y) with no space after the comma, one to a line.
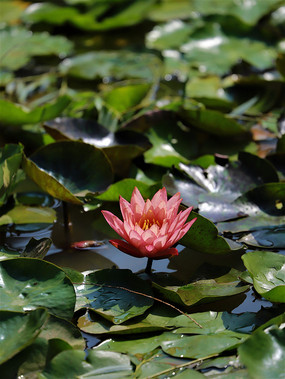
(68,169)
(217,52)
(123,98)
(267,271)
(100,16)
(203,236)
(116,64)
(115,294)
(260,349)
(29,283)
(101,364)
(210,121)
(199,346)
(249,13)
(125,189)
(10,160)
(55,336)
(24,214)
(19,330)
(15,114)
(203,290)
(19,45)
(120,147)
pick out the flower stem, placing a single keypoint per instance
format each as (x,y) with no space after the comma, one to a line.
(148,266)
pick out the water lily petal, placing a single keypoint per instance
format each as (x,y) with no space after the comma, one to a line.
(137,202)
(126,248)
(126,210)
(115,223)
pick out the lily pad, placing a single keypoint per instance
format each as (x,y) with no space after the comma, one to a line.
(214,189)
(217,52)
(19,45)
(10,160)
(267,271)
(15,114)
(117,295)
(263,347)
(24,214)
(95,17)
(264,207)
(68,169)
(249,13)
(266,238)
(29,283)
(203,236)
(125,189)
(19,330)
(199,346)
(120,147)
(202,291)
(114,64)
(211,121)
(101,364)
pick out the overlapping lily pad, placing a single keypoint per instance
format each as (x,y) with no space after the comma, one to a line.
(68,169)
(26,326)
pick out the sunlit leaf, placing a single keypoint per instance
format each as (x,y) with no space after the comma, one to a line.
(97,364)
(267,271)
(19,45)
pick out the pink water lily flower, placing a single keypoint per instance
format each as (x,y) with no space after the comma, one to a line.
(150,228)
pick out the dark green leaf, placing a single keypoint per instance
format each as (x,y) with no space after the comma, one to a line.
(117,295)
(263,354)
(19,330)
(68,169)
(29,283)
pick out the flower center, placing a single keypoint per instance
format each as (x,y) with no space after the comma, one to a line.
(147,223)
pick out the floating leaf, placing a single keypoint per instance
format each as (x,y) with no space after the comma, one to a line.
(125,189)
(68,169)
(267,271)
(203,236)
(210,121)
(115,64)
(199,346)
(15,114)
(18,330)
(120,147)
(24,214)
(263,347)
(29,283)
(99,364)
(115,294)
(19,45)
(202,291)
